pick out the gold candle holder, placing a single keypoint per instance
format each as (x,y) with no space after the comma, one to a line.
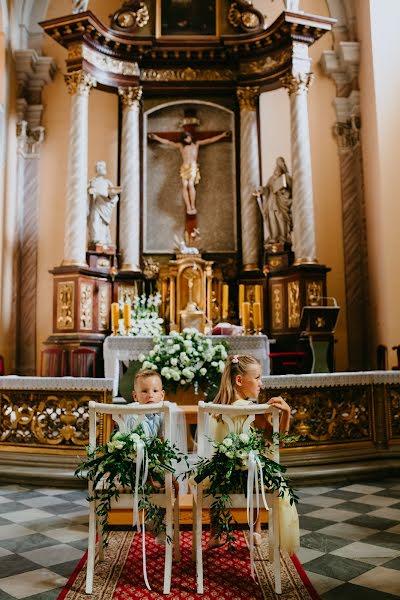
(114,318)
(246,317)
(257,322)
(127,317)
(225,301)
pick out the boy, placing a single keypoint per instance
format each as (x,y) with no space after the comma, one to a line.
(148,389)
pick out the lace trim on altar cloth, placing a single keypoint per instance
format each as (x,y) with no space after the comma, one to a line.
(331,379)
(15,382)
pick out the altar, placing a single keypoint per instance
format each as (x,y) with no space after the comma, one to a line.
(124,349)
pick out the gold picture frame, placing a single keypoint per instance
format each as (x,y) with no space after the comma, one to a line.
(193,19)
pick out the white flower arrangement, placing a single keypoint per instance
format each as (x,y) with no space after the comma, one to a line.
(145,320)
(187,358)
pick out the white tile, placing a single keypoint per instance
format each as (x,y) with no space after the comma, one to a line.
(333,514)
(322,501)
(306,554)
(346,531)
(368,553)
(385,513)
(362,489)
(31,583)
(6,500)
(322,583)
(304,531)
(68,534)
(53,555)
(394,529)
(82,502)
(30,514)
(13,488)
(316,491)
(381,579)
(394,487)
(77,515)
(376,500)
(4,552)
(8,532)
(55,491)
(42,501)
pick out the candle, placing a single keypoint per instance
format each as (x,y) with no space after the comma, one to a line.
(246,315)
(257,316)
(257,293)
(127,316)
(209,298)
(172,301)
(115,317)
(241,299)
(225,300)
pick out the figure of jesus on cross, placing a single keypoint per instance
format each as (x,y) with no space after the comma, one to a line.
(189,149)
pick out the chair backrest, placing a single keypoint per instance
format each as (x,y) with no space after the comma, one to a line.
(1,365)
(83,362)
(52,362)
(227,412)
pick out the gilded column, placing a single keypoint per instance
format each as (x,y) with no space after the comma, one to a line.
(79,85)
(129,206)
(249,175)
(297,84)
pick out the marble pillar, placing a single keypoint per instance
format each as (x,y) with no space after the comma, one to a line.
(129,205)
(79,85)
(297,83)
(249,176)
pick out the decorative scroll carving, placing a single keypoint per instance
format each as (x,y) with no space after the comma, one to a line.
(265,63)
(46,419)
(248,97)
(242,15)
(187,74)
(314,293)
(133,14)
(111,65)
(297,84)
(348,133)
(126,294)
(394,402)
(104,307)
(130,95)
(293,304)
(277,306)
(86,306)
(79,82)
(65,305)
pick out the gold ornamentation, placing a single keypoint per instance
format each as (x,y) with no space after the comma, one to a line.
(187,74)
(297,84)
(134,18)
(65,305)
(277,307)
(75,52)
(130,96)
(86,306)
(394,422)
(314,293)
(126,294)
(111,65)
(104,306)
(242,15)
(293,304)
(79,82)
(248,97)
(265,63)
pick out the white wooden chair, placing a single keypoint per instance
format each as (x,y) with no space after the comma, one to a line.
(166,498)
(201,500)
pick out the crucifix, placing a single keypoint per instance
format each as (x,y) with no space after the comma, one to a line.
(188,143)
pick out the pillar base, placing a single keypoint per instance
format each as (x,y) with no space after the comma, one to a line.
(74,263)
(305,261)
(130,268)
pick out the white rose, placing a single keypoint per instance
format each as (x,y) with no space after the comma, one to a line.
(141,357)
(134,437)
(229,454)
(227,442)
(242,454)
(203,371)
(169,342)
(174,362)
(243,437)
(110,446)
(118,444)
(223,448)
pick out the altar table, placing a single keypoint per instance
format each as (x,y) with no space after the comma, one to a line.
(126,348)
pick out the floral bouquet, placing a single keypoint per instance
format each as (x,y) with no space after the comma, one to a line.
(113,466)
(187,358)
(144,317)
(227,473)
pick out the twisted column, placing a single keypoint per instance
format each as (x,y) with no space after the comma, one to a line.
(249,175)
(303,235)
(129,206)
(79,84)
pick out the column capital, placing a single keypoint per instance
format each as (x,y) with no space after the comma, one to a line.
(297,84)
(130,96)
(347,133)
(248,97)
(79,82)
(29,139)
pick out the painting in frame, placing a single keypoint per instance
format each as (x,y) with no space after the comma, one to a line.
(187,18)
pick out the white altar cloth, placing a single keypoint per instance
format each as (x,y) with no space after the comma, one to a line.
(126,348)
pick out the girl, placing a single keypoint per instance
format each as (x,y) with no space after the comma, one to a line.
(240,386)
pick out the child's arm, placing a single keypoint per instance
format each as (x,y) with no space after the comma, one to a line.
(262,422)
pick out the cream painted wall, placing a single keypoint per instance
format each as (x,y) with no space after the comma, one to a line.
(377,31)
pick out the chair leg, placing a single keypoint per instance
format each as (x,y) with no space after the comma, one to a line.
(100,540)
(177,547)
(194,528)
(199,549)
(91,549)
(277,557)
(168,550)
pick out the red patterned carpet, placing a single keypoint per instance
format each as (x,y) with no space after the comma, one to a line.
(226,574)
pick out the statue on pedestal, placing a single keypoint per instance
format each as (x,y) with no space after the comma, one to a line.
(102,198)
(275,202)
(79,6)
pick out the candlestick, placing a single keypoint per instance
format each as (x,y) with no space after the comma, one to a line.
(241,299)
(246,316)
(257,316)
(127,317)
(225,301)
(114,317)
(257,294)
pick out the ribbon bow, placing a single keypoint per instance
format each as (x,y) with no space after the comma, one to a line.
(255,472)
(142,465)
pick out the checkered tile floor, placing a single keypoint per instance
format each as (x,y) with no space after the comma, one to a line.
(350,540)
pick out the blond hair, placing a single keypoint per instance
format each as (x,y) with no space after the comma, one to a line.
(235,365)
(145,374)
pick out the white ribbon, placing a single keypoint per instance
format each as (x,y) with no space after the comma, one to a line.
(255,472)
(142,464)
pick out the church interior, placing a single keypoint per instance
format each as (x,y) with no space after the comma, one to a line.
(213,178)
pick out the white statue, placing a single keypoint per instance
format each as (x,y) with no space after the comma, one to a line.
(182,247)
(102,198)
(275,202)
(79,6)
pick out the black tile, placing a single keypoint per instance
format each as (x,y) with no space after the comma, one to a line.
(358,507)
(388,493)
(27,542)
(43,525)
(28,495)
(312,523)
(14,565)
(349,591)
(79,544)
(63,509)
(321,542)
(343,494)
(303,508)
(384,539)
(65,569)
(337,567)
(393,564)
(4,596)
(49,595)
(395,505)
(372,522)
(4,521)
(8,507)
(71,496)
